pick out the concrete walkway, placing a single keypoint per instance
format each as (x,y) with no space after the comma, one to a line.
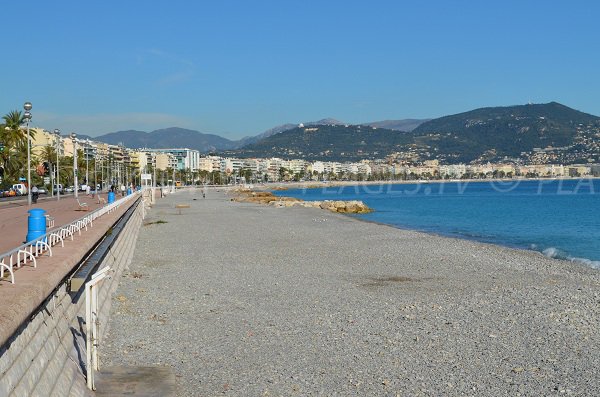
(13,216)
(33,285)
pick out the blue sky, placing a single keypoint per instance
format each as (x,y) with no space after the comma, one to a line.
(237,68)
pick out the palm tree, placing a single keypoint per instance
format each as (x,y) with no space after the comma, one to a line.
(11,133)
(15,164)
(15,143)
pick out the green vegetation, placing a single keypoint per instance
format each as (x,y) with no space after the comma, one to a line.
(13,157)
(329,142)
(497,132)
(486,134)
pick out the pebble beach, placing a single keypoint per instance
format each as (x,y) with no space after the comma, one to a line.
(243,299)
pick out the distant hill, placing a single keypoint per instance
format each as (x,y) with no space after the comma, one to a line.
(168,138)
(480,135)
(333,142)
(496,132)
(271,131)
(400,125)
(284,127)
(176,137)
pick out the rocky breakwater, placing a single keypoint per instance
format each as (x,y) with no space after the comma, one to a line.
(341,206)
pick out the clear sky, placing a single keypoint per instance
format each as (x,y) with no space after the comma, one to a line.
(237,68)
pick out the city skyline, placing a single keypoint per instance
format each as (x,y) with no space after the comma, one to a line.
(236,69)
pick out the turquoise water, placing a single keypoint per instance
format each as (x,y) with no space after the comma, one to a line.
(559,218)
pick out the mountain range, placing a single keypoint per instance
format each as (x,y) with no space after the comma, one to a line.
(181,137)
(533,132)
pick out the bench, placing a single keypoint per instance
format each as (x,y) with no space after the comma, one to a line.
(180,206)
(82,206)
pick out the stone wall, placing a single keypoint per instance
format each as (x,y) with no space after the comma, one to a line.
(46,357)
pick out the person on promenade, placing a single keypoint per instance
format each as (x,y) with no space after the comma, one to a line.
(34,194)
(123,190)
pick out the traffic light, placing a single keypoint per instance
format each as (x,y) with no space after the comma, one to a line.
(46,168)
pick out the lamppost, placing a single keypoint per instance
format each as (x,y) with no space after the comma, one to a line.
(102,174)
(51,170)
(87,167)
(95,177)
(76,187)
(57,133)
(27,117)
(154,180)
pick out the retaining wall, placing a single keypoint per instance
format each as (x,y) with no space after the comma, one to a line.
(46,356)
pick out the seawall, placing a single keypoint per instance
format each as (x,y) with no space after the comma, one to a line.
(45,355)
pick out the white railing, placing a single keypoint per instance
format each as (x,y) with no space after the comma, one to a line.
(28,252)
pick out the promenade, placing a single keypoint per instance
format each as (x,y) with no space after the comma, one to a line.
(33,285)
(13,215)
(247,300)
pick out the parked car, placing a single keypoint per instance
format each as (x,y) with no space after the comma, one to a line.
(20,189)
(42,190)
(60,188)
(70,189)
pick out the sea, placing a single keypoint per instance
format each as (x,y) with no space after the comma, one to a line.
(557,217)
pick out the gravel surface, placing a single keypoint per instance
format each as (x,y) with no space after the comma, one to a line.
(249,300)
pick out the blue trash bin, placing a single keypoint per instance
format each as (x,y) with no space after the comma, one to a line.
(36,224)
(111,197)
(128,191)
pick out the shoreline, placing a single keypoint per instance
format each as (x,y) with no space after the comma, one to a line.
(584,262)
(553,251)
(322,184)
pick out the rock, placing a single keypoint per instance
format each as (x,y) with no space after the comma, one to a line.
(345,207)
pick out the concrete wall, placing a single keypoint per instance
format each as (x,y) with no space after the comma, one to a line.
(46,357)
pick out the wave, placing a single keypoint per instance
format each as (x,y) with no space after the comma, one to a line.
(556,253)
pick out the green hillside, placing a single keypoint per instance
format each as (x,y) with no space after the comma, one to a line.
(505,131)
(486,134)
(329,142)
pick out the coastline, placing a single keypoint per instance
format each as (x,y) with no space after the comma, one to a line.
(310,302)
(587,263)
(548,252)
(321,184)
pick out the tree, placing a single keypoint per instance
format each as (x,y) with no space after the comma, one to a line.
(11,134)
(14,156)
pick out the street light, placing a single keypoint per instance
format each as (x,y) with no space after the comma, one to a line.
(27,117)
(57,133)
(76,187)
(87,153)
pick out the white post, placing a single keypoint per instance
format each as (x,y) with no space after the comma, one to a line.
(91,324)
(75,181)
(57,133)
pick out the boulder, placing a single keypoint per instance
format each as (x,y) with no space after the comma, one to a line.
(345,207)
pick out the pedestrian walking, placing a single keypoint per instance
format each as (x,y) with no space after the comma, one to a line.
(34,194)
